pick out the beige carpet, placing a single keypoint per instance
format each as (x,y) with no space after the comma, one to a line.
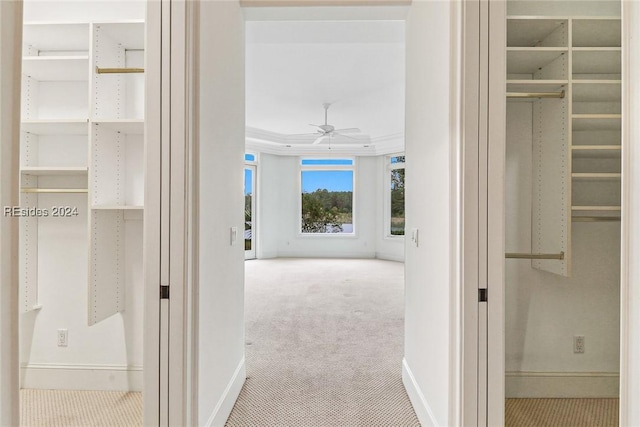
(64,408)
(561,413)
(324,345)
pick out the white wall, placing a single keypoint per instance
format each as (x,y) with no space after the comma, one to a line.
(427,366)
(544,310)
(279,210)
(220,299)
(10,63)
(105,356)
(83,11)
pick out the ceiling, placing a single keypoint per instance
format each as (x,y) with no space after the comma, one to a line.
(293,67)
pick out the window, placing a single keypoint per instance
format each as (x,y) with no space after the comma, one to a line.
(395,198)
(327,196)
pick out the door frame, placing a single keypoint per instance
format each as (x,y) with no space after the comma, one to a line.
(630,226)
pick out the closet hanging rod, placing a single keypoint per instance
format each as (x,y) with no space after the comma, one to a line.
(595,218)
(119,70)
(516,255)
(53,190)
(535,94)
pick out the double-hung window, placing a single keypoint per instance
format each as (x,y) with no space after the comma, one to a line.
(327,195)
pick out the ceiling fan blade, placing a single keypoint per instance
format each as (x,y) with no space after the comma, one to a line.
(348,130)
(319,140)
(344,136)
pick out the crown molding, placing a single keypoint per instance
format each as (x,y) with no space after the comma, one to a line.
(265,141)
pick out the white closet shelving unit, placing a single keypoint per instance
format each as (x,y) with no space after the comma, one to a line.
(574,64)
(82,139)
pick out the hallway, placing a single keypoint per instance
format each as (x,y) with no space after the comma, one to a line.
(324,344)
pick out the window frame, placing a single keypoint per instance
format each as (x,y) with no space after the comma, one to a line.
(389,167)
(302,168)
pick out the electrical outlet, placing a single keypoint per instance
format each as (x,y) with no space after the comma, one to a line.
(578,343)
(63,338)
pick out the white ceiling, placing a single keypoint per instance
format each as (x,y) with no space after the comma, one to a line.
(292,68)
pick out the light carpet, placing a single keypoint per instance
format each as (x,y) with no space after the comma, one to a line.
(69,408)
(561,413)
(324,345)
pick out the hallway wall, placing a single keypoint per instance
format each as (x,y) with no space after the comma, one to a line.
(428,367)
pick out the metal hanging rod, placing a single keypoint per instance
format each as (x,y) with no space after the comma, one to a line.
(515,255)
(595,218)
(535,94)
(119,70)
(53,190)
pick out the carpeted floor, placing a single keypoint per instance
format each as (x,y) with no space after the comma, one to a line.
(561,413)
(324,345)
(68,408)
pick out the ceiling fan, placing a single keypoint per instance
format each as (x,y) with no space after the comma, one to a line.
(328,131)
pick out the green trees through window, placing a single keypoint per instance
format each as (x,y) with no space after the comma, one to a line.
(327,196)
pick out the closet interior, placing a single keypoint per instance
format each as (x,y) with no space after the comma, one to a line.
(82,184)
(563,176)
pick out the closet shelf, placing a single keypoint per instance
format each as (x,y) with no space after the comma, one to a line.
(126,126)
(596,176)
(56,127)
(596,122)
(597,151)
(117,207)
(595,208)
(531,60)
(56,68)
(41,170)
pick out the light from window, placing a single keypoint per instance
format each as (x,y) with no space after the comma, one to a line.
(396,199)
(327,196)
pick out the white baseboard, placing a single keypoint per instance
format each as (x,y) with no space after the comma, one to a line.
(224,406)
(561,384)
(420,405)
(387,256)
(327,254)
(81,377)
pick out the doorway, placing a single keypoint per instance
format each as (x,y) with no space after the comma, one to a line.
(563,211)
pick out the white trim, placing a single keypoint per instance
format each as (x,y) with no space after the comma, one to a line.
(59,376)
(10,57)
(561,384)
(630,233)
(389,256)
(151,213)
(420,404)
(228,399)
(328,254)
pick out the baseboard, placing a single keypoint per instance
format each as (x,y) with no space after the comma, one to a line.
(224,406)
(327,254)
(81,377)
(390,256)
(420,405)
(562,384)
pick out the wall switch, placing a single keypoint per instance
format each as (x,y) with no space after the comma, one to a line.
(578,343)
(62,338)
(414,236)
(234,235)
